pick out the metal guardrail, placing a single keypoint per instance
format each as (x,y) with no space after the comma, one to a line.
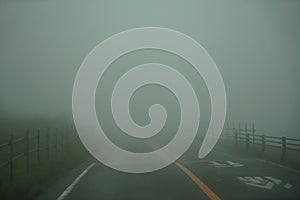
(248,136)
(62,139)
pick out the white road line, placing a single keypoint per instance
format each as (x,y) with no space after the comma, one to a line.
(208,161)
(69,189)
(281,166)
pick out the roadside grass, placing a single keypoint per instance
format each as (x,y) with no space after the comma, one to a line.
(27,186)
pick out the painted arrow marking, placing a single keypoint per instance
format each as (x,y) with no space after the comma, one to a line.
(226,164)
(288,186)
(257,182)
(266,182)
(274,180)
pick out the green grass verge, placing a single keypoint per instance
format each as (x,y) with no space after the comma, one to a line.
(41,175)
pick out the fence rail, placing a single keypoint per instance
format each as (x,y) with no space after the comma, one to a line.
(249,136)
(35,143)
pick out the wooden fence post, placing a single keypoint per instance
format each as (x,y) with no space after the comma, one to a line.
(247,141)
(70,135)
(73,133)
(263,141)
(227,131)
(283,156)
(239,131)
(235,134)
(55,140)
(246,132)
(67,136)
(63,138)
(253,133)
(27,151)
(11,157)
(48,143)
(38,147)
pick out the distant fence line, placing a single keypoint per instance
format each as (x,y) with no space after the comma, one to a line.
(54,139)
(248,135)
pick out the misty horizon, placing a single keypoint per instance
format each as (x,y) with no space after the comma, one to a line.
(256,49)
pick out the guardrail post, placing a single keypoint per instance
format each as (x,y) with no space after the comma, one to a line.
(253,134)
(67,136)
(55,140)
(283,148)
(246,131)
(227,131)
(73,133)
(27,151)
(70,134)
(239,132)
(11,157)
(236,137)
(48,143)
(247,141)
(38,147)
(62,137)
(234,133)
(263,142)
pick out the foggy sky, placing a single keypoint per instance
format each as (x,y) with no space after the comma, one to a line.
(255,44)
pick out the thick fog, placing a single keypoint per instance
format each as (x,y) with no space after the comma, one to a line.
(255,44)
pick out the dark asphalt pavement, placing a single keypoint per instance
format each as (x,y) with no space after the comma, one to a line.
(228,175)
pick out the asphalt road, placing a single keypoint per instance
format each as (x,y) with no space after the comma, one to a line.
(222,175)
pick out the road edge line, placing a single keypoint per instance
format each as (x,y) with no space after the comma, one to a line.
(72,185)
(279,165)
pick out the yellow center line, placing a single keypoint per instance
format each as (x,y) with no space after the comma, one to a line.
(198,182)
